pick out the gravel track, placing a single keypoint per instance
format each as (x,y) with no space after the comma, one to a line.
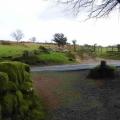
(96,101)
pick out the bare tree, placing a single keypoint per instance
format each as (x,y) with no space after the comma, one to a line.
(17,35)
(33,39)
(74,44)
(96,8)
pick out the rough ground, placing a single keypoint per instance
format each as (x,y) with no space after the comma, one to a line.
(71,96)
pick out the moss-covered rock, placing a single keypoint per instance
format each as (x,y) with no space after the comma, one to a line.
(15,71)
(8,105)
(3,81)
(26,87)
(17,98)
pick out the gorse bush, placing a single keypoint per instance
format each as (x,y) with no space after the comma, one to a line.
(25,53)
(102,71)
(70,55)
(44,49)
(17,98)
(31,60)
(5,42)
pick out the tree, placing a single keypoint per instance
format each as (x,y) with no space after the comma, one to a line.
(74,44)
(118,47)
(95,8)
(94,47)
(17,35)
(60,39)
(33,39)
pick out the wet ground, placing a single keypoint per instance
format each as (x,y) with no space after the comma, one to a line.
(71,96)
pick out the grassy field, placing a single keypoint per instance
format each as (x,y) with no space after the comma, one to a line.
(16,49)
(108,53)
(15,52)
(47,55)
(102,52)
(54,58)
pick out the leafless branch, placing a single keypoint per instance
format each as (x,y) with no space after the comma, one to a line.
(92,6)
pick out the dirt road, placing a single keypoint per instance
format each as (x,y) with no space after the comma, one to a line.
(71,96)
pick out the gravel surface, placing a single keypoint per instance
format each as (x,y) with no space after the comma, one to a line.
(107,106)
(98,100)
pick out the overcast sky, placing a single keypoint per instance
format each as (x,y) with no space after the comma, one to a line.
(44,18)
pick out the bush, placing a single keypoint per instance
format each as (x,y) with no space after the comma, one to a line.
(102,71)
(31,60)
(36,52)
(43,49)
(25,53)
(71,56)
(5,42)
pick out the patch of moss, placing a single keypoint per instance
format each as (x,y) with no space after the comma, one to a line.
(26,87)
(3,81)
(8,104)
(19,96)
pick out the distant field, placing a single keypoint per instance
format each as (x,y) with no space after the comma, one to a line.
(15,50)
(11,51)
(108,53)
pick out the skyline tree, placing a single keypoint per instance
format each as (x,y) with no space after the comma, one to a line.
(17,35)
(33,39)
(60,39)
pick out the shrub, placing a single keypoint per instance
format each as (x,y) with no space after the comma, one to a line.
(5,42)
(36,52)
(43,49)
(102,71)
(25,53)
(31,60)
(70,55)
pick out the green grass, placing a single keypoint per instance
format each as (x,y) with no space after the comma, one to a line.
(15,50)
(107,53)
(53,57)
(114,56)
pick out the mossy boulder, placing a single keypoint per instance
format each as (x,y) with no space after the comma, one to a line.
(3,81)
(16,71)
(8,104)
(17,98)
